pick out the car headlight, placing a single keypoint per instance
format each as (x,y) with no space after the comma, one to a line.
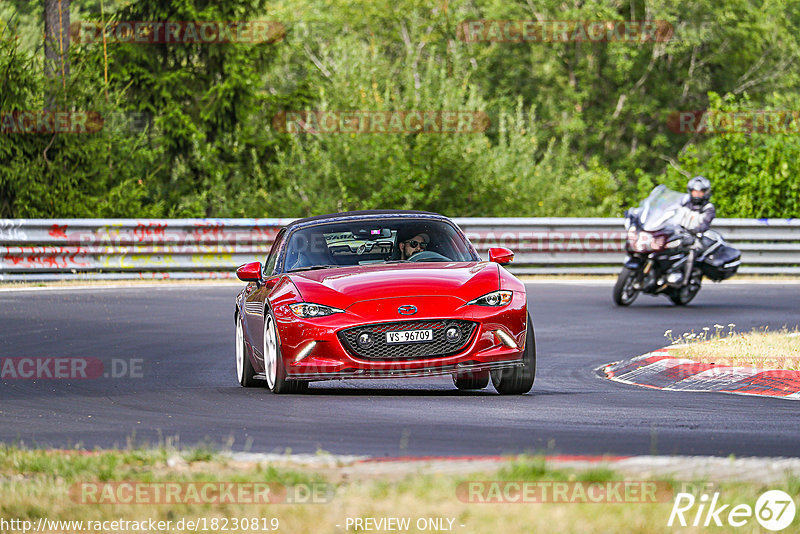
(495,298)
(307,310)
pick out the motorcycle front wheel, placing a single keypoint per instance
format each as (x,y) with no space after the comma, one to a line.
(684,295)
(624,291)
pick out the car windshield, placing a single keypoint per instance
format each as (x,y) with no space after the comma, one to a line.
(374,241)
(660,207)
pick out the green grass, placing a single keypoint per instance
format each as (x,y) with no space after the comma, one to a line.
(36,483)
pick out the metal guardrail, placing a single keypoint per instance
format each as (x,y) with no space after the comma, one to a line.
(44,249)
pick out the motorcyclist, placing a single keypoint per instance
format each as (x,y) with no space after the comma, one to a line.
(697,217)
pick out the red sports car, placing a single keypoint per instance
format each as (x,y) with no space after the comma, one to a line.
(382,294)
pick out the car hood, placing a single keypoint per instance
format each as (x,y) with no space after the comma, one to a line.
(343,286)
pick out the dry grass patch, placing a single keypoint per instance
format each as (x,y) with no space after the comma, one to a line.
(36,484)
(724,346)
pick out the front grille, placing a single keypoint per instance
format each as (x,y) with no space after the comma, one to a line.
(381,350)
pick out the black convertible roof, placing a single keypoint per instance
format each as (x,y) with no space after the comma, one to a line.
(360,213)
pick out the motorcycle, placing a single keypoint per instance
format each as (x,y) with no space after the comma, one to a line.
(658,248)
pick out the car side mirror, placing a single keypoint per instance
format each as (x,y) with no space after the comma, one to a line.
(501,255)
(249,272)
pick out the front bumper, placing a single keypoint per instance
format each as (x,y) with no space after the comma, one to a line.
(312,348)
(407,373)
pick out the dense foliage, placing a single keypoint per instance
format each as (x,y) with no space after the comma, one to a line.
(577,128)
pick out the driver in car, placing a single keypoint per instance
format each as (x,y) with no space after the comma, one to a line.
(412,246)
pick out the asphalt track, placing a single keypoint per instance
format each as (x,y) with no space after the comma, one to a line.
(187,390)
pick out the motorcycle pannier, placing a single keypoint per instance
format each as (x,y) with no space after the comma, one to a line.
(722,263)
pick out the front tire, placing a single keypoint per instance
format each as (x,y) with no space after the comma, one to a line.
(244,367)
(684,295)
(518,380)
(624,292)
(476,380)
(274,368)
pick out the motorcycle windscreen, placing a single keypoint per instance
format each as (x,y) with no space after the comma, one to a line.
(660,208)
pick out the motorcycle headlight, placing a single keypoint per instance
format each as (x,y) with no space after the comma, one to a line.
(306,310)
(495,298)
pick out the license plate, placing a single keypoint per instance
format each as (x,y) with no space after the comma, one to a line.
(409,336)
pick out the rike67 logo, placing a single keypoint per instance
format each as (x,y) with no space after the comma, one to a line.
(774,510)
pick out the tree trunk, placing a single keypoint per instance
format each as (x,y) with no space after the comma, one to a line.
(56,37)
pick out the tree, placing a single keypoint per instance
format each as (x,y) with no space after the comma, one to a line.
(56,41)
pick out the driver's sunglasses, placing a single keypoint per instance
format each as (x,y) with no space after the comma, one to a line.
(415,244)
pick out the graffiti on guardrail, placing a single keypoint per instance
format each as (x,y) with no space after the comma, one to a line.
(122,261)
(110,258)
(45,257)
(58,230)
(211,260)
(767,221)
(161,233)
(146,231)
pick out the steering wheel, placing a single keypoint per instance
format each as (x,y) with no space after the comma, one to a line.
(428,255)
